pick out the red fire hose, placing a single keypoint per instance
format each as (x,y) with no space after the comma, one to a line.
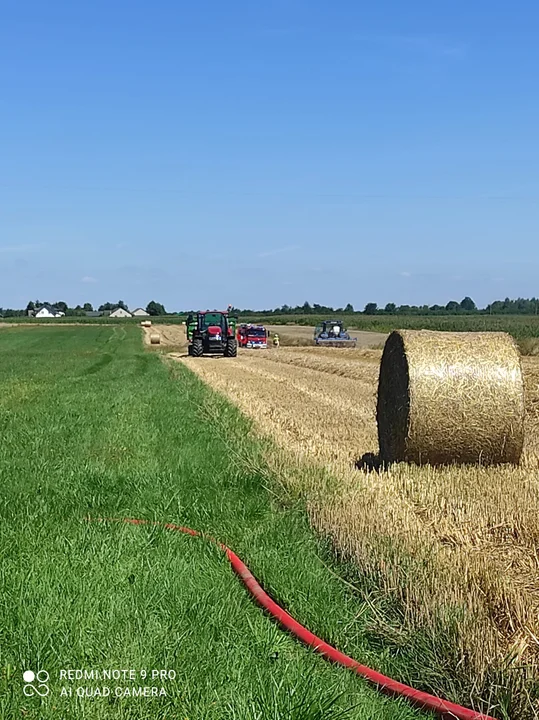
(443,708)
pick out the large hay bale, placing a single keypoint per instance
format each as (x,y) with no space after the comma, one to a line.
(450,397)
(155,339)
(146,323)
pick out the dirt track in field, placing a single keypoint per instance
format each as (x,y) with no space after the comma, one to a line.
(289,335)
(302,335)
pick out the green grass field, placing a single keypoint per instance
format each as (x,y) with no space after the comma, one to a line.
(93,425)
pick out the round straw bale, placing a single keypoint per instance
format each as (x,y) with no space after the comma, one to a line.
(155,339)
(146,323)
(448,397)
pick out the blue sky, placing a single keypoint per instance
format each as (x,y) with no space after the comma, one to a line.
(208,153)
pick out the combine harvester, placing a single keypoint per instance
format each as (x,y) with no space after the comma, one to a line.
(252,336)
(334,334)
(211,332)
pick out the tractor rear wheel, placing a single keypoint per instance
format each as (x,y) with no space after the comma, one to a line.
(231,349)
(198,348)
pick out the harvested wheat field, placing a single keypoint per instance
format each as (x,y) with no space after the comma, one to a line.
(302,335)
(171,336)
(453,549)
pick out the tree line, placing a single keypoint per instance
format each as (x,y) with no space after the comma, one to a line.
(520,306)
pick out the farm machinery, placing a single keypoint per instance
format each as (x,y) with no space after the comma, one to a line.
(211,332)
(334,334)
(252,336)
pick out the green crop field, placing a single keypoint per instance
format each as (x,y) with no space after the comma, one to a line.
(520,326)
(91,425)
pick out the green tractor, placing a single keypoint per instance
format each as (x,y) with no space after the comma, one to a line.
(211,332)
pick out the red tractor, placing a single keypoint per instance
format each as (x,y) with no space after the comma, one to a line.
(211,332)
(252,336)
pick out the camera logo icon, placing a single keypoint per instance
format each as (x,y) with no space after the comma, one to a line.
(41,678)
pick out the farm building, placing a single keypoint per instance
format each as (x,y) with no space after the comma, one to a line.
(140,312)
(47,311)
(120,313)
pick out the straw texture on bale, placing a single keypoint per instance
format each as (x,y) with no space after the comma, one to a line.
(450,398)
(155,339)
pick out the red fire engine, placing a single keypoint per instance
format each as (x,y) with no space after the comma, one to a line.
(252,336)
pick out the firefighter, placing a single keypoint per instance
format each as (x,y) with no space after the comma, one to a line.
(275,340)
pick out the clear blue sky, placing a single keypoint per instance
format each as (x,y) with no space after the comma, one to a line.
(201,153)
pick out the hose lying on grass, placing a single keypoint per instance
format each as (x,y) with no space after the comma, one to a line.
(442,708)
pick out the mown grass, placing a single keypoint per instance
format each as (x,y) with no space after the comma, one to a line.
(91,424)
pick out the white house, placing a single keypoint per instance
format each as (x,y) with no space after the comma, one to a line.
(119,313)
(140,312)
(48,312)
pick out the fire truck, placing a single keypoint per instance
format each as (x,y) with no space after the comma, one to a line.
(252,336)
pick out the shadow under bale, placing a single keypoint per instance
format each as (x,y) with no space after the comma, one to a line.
(370,462)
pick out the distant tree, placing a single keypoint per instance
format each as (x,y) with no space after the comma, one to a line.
(468,305)
(87,307)
(30,306)
(452,306)
(349,308)
(319,309)
(110,307)
(371,309)
(155,308)
(495,307)
(77,311)
(306,308)
(62,306)
(390,308)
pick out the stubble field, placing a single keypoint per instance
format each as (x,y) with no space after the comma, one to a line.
(453,551)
